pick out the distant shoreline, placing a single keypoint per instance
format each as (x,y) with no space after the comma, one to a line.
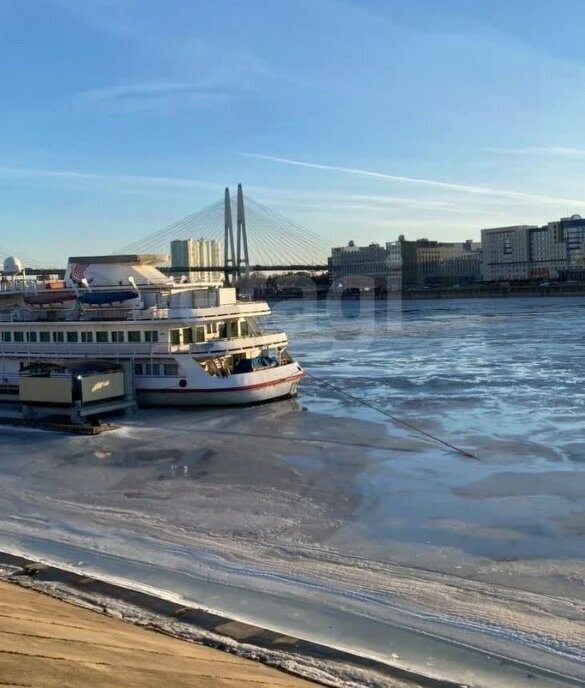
(471,292)
(493,292)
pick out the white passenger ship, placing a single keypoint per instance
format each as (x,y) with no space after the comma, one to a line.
(189,343)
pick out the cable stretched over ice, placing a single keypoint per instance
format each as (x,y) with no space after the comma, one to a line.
(404,423)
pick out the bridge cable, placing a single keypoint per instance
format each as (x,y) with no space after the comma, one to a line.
(273,239)
(308,248)
(400,421)
(283,238)
(310,238)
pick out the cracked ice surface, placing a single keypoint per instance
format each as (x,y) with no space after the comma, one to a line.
(323,519)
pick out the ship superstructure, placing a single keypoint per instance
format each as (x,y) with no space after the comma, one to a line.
(189,343)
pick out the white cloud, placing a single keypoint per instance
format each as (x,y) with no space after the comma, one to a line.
(147,90)
(554,151)
(154,97)
(333,199)
(116,179)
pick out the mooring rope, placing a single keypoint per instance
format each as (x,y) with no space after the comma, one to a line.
(405,423)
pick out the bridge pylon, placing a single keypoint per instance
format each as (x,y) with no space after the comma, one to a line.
(228,241)
(242,257)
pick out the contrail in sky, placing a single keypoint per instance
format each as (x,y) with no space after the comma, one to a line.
(464,188)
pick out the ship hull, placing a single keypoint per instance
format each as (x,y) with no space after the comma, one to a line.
(229,396)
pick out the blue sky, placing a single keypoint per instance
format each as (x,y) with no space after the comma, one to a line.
(358,119)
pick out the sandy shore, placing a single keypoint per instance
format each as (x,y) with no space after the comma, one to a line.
(45,642)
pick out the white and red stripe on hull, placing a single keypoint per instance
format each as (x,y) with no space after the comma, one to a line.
(250,391)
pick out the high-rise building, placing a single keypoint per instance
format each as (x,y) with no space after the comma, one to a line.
(402,267)
(359,266)
(525,252)
(446,264)
(403,264)
(506,253)
(426,263)
(198,253)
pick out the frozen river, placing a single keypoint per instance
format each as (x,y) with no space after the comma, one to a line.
(324,519)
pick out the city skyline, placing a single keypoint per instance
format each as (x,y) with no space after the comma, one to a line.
(360,121)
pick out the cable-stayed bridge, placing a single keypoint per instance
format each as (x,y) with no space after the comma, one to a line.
(254,238)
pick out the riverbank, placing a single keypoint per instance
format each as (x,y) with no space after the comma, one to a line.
(67,644)
(481,291)
(50,643)
(474,291)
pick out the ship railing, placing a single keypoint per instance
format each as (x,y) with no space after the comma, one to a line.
(151,313)
(19,285)
(266,339)
(88,349)
(22,315)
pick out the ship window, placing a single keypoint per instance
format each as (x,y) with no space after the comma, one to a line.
(44,336)
(6,336)
(199,334)
(188,335)
(234,328)
(101,337)
(138,369)
(152,369)
(134,336)
(211,328)
(58,336)
(87,337)
(175,336)
(151,336)
(222,330)
(244,328)
(171,369)
(31,336)
(118,336)
(72,337)
(19,336)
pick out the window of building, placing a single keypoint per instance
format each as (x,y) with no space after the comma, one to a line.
(19,336)
(152,369)
(171,369)
(87,337)
(31,336)
(6,336)
(58,337)
(151,336)
(45,336)
(101,337)
(118,336)
(72,337)
(134,336)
